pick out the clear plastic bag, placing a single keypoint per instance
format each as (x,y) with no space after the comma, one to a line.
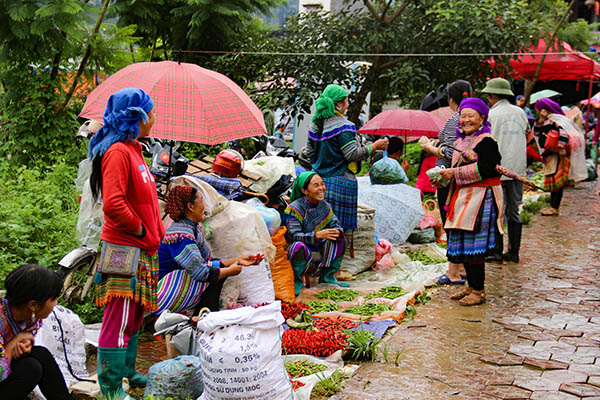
(91,216)
(386,171)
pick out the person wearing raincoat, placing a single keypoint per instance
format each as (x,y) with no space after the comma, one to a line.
(563,152)
(312,226)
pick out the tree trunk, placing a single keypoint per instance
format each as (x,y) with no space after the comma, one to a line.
(359,100)
(85,58)
(549,44)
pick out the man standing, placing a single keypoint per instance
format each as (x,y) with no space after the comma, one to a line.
(509,128)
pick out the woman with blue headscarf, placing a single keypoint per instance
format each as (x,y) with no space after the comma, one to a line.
(132,218)
(475,197)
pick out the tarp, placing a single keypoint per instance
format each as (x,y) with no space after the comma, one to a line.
(572,65)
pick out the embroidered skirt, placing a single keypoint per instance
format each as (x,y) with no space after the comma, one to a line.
(178,291)
(141,289)
(560,178)
(342,194)
(469,246)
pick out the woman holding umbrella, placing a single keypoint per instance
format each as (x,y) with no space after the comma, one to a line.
(475,198)
(335,154)
(562,144)
(131,235)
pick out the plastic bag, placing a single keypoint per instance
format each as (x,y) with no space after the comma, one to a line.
(386,262)
(382,248)
(270,215)
(177,378)
(49,336)
(270,169)
(333,363)
(240,352)
(281,269)
(239,229)
(386,171)
(214,203)
(256,284)
(91,216)
(363,238)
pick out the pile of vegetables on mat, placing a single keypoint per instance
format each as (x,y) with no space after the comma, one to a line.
(300,368)
(337,294)
(424,258)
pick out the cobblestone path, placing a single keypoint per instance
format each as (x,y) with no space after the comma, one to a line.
(537,337)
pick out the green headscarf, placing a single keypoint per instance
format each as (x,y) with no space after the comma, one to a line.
(325,104)
(299,184)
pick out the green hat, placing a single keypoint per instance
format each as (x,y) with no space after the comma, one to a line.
(299,184)
(498,86)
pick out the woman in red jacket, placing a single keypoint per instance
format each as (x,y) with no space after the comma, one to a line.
(132,218)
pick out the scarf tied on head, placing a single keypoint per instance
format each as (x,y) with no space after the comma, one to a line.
(177,200)
(478,105)
(299,183)
(550,105)
(124,111)
(325,104)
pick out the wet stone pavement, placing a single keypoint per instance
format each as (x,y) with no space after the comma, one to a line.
(537,337)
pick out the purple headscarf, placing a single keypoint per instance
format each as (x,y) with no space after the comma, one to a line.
(479,106)
(549,105)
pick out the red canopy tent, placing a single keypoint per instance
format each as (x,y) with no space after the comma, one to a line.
(569,65)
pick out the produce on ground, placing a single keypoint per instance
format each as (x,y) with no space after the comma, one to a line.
(302,321)
(296,384)
(337,294)
(335,324)
(322,306)
(368,309)
(322,343)
(300,368)
(424,258)
(363,344)
(388,292)
(292,310)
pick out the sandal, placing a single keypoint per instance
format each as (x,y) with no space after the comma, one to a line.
(463,293)
(445,280)
(549,211)
(473,299)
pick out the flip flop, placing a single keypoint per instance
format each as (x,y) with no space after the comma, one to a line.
(463,277)
(445,280)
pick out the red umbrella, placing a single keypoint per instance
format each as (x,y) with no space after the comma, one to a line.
(407,123)
(192,104)
(445,113)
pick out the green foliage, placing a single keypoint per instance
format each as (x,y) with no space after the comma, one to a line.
(38,215)
(329,386)
(532,208)
(363,344)
(88,312)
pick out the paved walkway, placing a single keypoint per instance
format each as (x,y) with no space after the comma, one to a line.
(538,336)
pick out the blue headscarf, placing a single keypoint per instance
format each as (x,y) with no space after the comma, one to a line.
(478,105)
(122,116)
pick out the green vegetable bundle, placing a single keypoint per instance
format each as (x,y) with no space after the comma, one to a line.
(424,258)
(337,294)
(388,292)
(300,368)
(368,309)
(322,306)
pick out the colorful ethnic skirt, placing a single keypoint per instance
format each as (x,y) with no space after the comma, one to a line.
(341,193)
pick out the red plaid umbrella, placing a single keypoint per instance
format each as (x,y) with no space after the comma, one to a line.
(445,113)
(192,104)
(407,123)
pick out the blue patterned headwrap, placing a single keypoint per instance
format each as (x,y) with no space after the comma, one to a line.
(478,105)
(122,116)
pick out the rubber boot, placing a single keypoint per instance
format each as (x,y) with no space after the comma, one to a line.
(111,370)
(327,274)
(299,267)
(135,378)
(496,255)
(514,242)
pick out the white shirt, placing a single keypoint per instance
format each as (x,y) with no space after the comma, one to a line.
(509,127)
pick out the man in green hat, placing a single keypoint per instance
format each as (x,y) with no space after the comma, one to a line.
(509,127)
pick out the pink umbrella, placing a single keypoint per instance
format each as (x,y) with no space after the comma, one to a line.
(407,123)
(445,113)
(192,104)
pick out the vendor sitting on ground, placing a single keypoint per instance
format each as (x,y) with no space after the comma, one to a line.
(189,276)
(312,226)
(31,293)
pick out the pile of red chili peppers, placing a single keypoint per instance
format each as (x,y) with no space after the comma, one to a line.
(336,324)
(322,343)
(292,310)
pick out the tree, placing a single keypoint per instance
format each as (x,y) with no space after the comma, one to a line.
(388,39)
